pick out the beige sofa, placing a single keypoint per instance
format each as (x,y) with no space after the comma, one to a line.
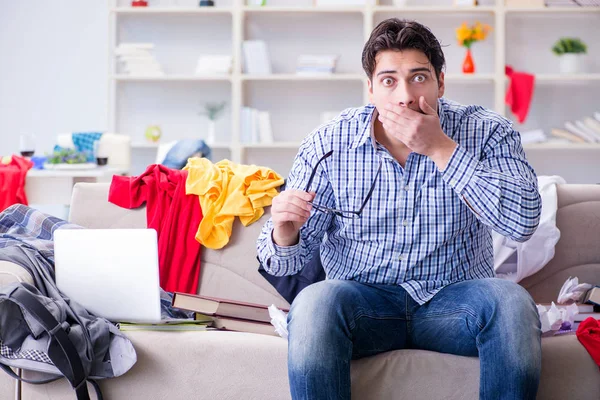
(228,365)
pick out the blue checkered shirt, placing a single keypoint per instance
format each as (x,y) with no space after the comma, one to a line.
(417,230)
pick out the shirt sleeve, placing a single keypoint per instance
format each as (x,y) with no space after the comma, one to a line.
(289,260)
(501,187)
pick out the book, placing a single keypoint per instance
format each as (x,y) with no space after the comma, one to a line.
(242,325)
(265,133)
(216,307)
(171,324)
(583,316)
(593,296)
(256,57)
(567,135)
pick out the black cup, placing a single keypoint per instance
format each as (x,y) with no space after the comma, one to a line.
(101,160)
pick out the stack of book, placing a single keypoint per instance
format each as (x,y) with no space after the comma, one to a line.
(200,323)
(228,314)
(572,3)
(255,126)
(584,131)
(138,60)
(316,65)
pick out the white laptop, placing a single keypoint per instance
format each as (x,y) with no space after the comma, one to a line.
(113,273)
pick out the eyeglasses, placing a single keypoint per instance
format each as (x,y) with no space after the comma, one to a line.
(341,213)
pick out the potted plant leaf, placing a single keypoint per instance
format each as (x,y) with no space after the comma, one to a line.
(212,112)
(571,54)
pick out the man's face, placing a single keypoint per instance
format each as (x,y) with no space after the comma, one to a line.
(401,77)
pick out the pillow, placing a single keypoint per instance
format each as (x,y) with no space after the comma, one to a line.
(289,286)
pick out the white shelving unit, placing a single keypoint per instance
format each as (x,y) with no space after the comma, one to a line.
(182,31)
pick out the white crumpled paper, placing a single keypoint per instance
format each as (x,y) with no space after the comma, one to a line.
(279,321)
(553,317)
(572,290)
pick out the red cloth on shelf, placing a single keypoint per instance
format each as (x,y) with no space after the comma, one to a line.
(12,181)
(174,215)
(519,93)
(588,334)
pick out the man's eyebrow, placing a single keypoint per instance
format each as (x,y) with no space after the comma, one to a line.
(420,69)
(387,71)
(412,71)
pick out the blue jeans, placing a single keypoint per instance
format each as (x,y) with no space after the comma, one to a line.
(334,321)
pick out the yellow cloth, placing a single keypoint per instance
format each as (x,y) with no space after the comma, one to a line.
(227,190)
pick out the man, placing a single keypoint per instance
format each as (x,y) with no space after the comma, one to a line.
(401,196)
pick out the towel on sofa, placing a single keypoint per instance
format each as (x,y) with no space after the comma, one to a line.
(13,172)
(173,214)
(226,190)
(588,334)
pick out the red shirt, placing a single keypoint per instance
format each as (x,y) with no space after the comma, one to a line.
(174,215)
(12,182)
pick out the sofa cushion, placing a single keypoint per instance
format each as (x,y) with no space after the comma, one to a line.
(577,254)
(90,208)
(8,386)
(231,365)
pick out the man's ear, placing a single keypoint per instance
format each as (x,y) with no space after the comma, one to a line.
(370,85)
(441,85)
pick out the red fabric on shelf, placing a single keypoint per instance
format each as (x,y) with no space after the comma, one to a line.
(12,181)
(588,334)
(174,215)
(519,93)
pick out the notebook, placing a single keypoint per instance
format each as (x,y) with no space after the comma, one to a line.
(113,273)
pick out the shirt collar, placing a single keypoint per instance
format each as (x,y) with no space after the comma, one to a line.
(370,112)
(364,128)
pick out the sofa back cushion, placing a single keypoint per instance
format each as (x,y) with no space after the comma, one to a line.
(577,253)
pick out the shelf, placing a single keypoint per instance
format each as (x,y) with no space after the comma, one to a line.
(147,145)
(172,78)
(551,10)
(470,78)
(548,78)
(438,9)
(562,146)
(294,77)
(294,9)
(275,145)
(171,10)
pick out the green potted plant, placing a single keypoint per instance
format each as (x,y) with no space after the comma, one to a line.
(571,53)
(212,112)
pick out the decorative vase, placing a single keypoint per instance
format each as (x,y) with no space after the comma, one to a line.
(211,136)
(468,66)
(571,63)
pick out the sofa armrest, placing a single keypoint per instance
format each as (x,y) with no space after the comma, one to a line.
(11,272)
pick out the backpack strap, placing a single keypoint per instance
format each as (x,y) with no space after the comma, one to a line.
(61,350)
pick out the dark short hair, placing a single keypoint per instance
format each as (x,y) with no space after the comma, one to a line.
(401,34)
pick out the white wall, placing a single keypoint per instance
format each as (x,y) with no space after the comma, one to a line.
(53,69)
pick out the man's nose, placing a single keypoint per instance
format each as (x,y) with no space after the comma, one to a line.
(403,97)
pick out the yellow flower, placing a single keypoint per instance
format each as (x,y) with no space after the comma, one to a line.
(463,33)
(466,35)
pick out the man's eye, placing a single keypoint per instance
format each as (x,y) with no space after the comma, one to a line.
(419,78)
(388,81)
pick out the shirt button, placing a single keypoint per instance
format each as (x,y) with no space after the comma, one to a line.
(406,188)
(405,222)
(402,257)
(453,182)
